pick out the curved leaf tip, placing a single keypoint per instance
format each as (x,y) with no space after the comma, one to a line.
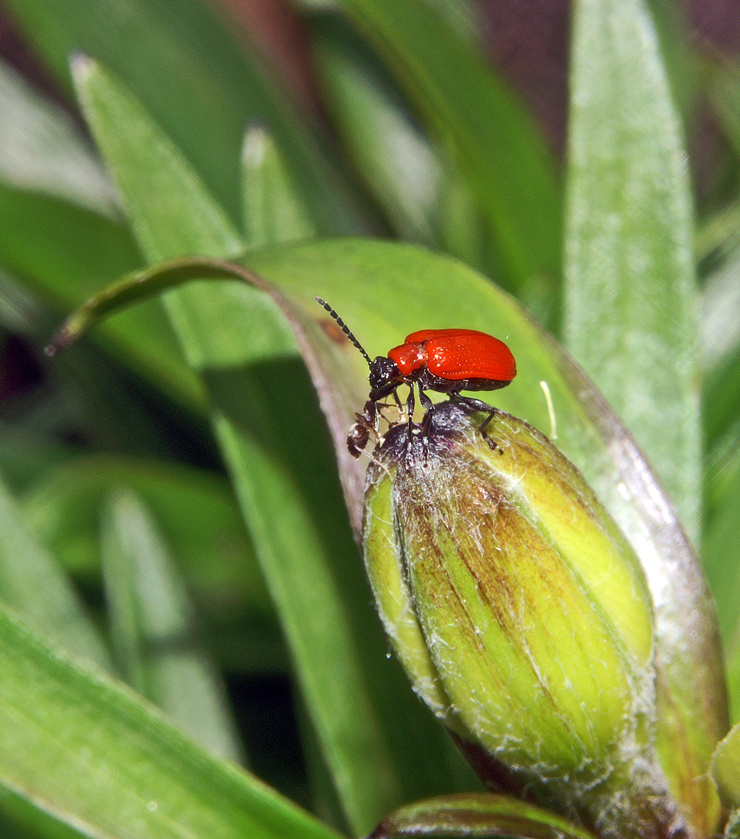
(61,340)
(81,64)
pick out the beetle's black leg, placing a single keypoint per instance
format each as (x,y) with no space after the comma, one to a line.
(428,406)
(482,427)
(479,405)
(476,405)
(426,402)
(410,405)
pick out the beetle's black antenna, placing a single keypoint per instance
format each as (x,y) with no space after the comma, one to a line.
(345,328)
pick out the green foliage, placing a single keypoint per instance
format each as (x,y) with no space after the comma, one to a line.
(171,514)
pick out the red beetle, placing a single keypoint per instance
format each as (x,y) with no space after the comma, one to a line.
(442,360)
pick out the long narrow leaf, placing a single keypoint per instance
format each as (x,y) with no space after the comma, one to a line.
(43,150)
(273,211)
(632,307)
(32,583)
(398,163)
(407,739)
(19,819)
(733,677)
(163,230)
(149,780)
(721,354)
(720,560)
(631,301)
(154,629)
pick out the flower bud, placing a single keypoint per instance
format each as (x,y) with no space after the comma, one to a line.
(520,613)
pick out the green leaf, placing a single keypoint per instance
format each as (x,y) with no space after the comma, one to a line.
(721,354)
(678,48)
(720,558)
(721,338)
(717,234)
(273,210)
(184,218)
(43,150)
(32,583)
(632,319)
(18,825)
(288,492)
(398,164)
(726,769)
(462,231)
(631,314)
(478,816)
(154,631)
(496,143)
(464,17)
(192,74)
(725,91)
(149,780)
(733,675)
(19,819)
(41,238)
(106,102)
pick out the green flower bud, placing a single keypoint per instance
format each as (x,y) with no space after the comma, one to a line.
(520,612)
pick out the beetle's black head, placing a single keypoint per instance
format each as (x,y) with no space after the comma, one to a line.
(385,377)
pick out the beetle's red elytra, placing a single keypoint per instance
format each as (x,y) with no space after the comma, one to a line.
(442,360)
(456,354)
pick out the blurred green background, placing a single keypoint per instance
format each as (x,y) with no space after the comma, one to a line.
(443,124)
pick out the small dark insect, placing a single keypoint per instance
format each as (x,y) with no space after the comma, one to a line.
(441,360)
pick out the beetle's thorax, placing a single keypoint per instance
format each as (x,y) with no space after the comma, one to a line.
(409,357)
